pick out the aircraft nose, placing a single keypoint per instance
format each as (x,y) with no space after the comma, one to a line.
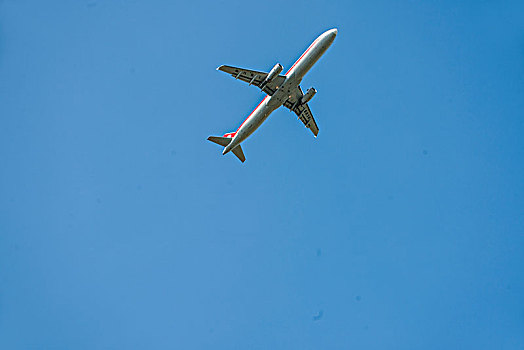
(330,34)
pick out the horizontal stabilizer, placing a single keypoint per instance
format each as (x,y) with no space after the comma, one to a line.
(224,141)
(238,152)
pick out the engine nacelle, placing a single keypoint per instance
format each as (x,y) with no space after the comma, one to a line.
(277,69)
(308,95)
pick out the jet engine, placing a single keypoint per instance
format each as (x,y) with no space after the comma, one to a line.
(277,69)
(308,95)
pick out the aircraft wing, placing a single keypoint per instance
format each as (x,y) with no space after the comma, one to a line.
(302,111)
(253,77)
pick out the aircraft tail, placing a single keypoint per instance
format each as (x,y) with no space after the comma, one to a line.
(224,141)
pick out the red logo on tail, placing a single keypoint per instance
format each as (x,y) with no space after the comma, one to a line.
(230,134)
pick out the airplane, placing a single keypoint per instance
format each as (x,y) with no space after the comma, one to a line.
(281,90)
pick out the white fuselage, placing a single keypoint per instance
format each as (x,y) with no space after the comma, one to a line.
(293,78)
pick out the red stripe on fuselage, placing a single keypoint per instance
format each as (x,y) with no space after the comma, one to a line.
(265,98)
(309,48)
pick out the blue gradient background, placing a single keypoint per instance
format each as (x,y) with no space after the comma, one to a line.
(400,227)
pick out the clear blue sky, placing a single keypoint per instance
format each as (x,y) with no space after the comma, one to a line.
(400,227)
